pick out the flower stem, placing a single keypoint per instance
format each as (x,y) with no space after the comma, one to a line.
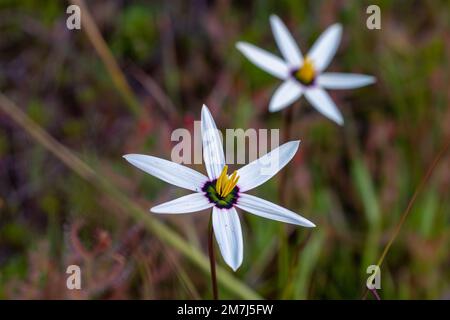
(375,294)
(283,255)
(212,260)
(287,123)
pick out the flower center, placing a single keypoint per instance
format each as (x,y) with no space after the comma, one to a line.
(306,73)
(225,184)
(223,190)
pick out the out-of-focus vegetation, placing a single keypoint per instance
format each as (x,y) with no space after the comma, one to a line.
(354,181)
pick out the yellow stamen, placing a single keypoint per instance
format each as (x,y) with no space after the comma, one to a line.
(230,184)
(219,180)
(225,184)
(306,72)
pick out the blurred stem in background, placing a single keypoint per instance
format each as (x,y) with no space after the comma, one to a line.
(287,124)
(160,230)
(283,189)
(107,58)
(411,202)
(283,250)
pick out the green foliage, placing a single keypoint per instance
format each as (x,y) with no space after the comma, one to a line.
(136,32)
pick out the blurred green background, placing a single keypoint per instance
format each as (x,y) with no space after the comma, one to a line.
(354,181)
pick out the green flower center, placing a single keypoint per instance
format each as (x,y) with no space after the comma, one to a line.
(222,202)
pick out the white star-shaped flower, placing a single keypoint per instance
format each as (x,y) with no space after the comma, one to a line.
(304,75)
(220,191)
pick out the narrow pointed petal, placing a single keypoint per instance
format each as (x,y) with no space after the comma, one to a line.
(269,210)
(264,59)
(191,203)
(323,103)
(212,145)
(285,42)
(325,47)
(228,233)
(287,93)
(335,80)
(259,171)
(168,171)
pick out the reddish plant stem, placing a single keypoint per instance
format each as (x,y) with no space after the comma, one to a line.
(375,294)
(212,260)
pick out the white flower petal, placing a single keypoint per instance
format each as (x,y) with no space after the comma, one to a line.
(212,145)
(325,47)
(259,171)
(286,42)
(168,171)
(265,60)
(269,210)
(288,92)
(335,80)
(320,100)
(227,229)
(190,203)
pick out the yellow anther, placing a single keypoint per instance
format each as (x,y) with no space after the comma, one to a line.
(219,180)
(306,73)
(225,184)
